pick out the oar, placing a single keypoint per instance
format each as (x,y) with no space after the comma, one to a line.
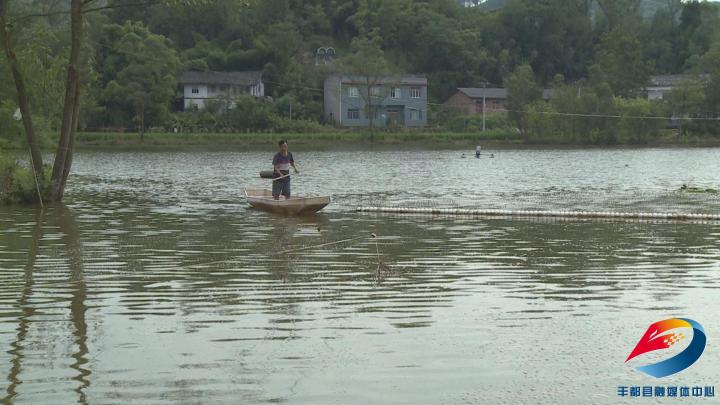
(281,177)
(267,174)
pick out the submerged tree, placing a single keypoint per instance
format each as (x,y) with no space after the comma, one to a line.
(71,102)
(6,36)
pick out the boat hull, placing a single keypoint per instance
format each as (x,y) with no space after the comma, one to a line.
(262,199)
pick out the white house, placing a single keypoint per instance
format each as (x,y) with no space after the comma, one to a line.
(199,87)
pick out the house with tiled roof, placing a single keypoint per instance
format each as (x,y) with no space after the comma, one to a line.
(471,99)
(200,87)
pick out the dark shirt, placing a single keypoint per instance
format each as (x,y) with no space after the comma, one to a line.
(283,163)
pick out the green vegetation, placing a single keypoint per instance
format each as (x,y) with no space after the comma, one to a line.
(268,139)
(112,65)
(694,189)
(132,56)
(17,184)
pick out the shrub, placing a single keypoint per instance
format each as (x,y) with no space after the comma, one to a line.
(17,184)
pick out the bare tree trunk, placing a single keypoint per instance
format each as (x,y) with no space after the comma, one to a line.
(63,155)
(23,103)
(71,144)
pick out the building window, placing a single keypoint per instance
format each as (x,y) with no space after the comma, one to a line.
(415,115)
(353,92)
(353,114)
(375,91)
(195,90)
(415,92)
(395,92)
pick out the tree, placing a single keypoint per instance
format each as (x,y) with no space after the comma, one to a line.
(710,64)
(71,101)
(632,126)
(687,100)
(620,58)
(620,13)
(143,66)
(552,36)
(369,65)
(22,93)
(522,90)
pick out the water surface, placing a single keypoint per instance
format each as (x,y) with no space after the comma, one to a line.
(155,283)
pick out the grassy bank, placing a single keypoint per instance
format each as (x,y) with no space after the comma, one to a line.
(495,138)
(263,140)
(346,139)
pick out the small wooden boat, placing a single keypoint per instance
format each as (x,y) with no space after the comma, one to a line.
(263,199)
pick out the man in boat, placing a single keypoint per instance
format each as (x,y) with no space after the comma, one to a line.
(281,171)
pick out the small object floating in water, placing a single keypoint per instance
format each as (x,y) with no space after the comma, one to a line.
(693,189)
(262,199)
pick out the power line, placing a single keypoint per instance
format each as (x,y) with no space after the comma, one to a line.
(556,113)
(644,117)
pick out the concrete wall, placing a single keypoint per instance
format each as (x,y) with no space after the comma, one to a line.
(332,100)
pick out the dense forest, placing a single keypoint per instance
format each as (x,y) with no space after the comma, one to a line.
(133,52)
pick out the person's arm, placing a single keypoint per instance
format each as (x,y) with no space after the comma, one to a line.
(292,163)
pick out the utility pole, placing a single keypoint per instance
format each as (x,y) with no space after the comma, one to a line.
(290,110)
(483,108)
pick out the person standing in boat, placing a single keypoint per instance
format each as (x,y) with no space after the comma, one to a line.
(281,171)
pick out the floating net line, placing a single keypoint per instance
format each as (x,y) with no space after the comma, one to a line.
(689,203)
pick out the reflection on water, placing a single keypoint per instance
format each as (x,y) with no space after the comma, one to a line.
(30,315)
(170,290)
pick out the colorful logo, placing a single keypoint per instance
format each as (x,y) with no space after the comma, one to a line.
(655,339)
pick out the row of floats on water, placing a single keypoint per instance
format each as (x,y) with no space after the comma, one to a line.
(543,213)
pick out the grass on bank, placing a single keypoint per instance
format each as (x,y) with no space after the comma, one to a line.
(344,138)
(17,182)
(421,138)
(96,139)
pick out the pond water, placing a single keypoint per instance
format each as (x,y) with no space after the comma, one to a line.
(155,283)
